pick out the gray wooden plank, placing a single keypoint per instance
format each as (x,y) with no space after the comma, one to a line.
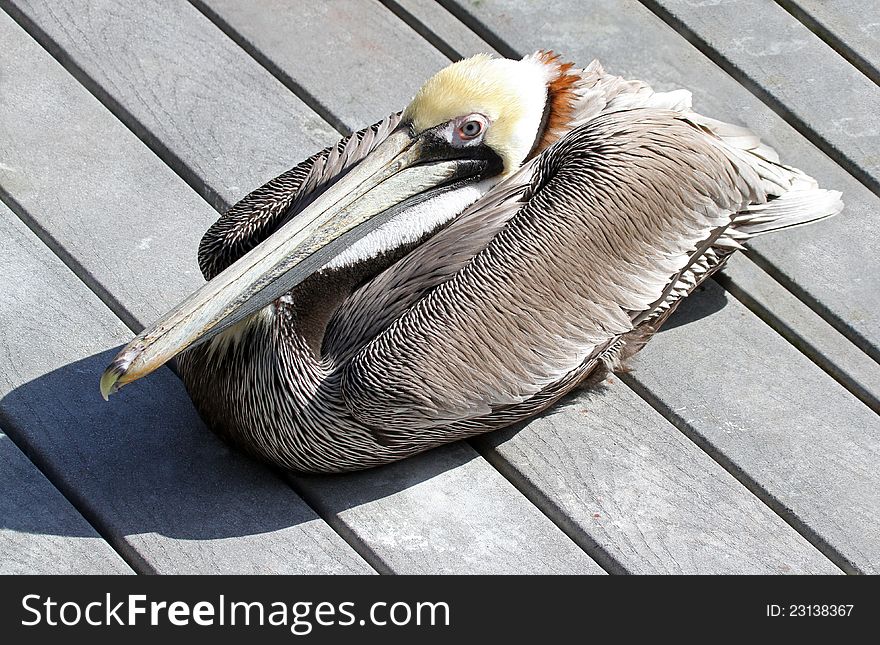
(795,415)
(225,148)
(441,24)
(832,265)
(624,480)
(796,69)
(851,27)
(763,405)
(804,328)
(169,493)
(93,184)
(377,62)
(55,167)
(40,531)
(430,491)
(763,536)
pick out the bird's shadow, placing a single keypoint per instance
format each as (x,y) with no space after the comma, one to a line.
(703,302)
(146,463)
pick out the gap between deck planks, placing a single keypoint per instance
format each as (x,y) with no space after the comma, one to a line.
(598,29)
(419,80)
(850,27)
(439,27)
(482,506)
(40,531)
(803,328)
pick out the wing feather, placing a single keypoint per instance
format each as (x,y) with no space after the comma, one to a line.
(260,213)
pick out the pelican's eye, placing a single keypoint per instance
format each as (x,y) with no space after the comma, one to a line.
(469,129)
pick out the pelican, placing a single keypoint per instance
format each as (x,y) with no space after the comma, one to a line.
(521,226)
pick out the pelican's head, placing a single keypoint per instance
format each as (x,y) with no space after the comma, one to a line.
(467,128)
(505,105)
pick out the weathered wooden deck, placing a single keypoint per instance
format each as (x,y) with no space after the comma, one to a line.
(747,440)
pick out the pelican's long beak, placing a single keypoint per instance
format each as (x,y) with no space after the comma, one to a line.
(400,168)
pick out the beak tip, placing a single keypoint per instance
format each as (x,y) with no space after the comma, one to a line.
(110,379)
(108,383)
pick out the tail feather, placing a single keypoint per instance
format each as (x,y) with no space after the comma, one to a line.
(793,208)
(793,197)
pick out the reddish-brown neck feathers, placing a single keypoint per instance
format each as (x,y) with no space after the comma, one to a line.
(561,99)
